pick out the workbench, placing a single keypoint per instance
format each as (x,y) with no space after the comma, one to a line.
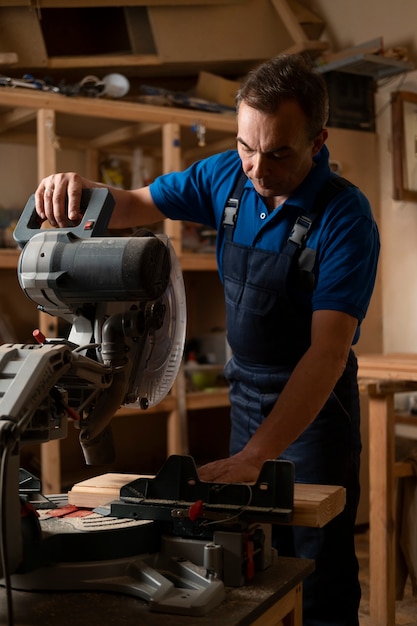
(274,595)
(382,376)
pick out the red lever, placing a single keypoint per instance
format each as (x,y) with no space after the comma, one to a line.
(196,510)
(39,336)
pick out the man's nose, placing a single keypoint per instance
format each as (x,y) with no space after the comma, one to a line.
(259,166)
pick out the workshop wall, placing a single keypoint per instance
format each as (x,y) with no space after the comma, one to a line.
(395,22)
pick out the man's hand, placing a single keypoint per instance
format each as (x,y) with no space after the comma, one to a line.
(51,196)
(236,469)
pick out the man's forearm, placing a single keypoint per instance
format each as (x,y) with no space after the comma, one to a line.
(305,394)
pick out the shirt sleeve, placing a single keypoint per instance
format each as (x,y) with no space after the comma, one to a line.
(186,195)
(347,259)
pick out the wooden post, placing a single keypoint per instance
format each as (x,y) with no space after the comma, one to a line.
(47,146)
(171,157)
(47,143)
(177,436)
(382,508)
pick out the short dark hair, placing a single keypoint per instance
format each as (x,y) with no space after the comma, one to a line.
(287,77)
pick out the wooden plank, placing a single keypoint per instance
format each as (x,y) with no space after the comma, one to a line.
(99,490)
(314,505)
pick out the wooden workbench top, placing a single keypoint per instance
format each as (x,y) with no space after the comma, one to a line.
(390,366)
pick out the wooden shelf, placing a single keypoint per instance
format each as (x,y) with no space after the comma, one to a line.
(405,418)
(9,258)
(213,398)
(194,262)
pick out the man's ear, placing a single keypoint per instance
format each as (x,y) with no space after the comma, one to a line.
(319,141)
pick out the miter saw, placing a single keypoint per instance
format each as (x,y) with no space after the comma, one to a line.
(172,540)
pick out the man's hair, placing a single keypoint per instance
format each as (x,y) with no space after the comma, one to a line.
(287,77)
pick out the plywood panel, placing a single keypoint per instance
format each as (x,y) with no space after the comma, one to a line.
(20,33)
(254,30)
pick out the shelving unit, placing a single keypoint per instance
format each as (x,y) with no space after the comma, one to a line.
(102,126)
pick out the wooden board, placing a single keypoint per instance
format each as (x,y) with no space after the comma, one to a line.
(100,490)
(391,366)
(314,505)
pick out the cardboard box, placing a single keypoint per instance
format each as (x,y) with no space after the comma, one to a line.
(216,89)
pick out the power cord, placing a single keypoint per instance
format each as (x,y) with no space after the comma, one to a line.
(8,443)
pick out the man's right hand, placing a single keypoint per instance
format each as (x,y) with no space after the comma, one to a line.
(51,196)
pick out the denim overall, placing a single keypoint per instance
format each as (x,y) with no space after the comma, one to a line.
(268,309)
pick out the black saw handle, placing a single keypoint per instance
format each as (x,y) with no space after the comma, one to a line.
(96,208)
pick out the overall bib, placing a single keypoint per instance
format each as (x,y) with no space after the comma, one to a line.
(268,310)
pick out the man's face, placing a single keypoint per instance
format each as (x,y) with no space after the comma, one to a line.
(275,149)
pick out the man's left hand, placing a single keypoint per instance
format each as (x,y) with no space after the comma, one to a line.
(235,469)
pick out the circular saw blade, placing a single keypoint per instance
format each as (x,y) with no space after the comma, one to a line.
(165,346)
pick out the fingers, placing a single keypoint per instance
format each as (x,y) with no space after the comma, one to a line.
(229,470)
(58,199)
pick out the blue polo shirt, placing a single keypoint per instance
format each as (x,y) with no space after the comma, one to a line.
(344,235)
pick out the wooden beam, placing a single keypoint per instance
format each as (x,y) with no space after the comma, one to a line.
(16,118)
(121,111)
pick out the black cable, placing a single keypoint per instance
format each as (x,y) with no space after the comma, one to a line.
(9,445)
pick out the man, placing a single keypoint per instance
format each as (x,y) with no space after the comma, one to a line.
(297,251)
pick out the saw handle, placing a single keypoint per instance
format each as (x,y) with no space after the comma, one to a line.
(96,207)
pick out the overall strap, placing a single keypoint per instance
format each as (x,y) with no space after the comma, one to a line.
(232,205)
(296,242)
(303,223)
